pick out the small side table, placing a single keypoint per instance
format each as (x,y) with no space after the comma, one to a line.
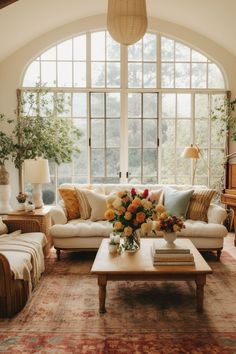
(42,215)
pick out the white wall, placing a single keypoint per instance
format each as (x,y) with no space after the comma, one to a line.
(12,69)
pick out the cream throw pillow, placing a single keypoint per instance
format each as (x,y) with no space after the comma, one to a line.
(3,227)
(84,206)
(98,204)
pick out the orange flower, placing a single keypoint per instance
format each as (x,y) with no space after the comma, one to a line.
(140,217)
(131,208)
(109,214)
(164,216)
(160,208)
(128,215)
(158,226)
(136,202)
(118,226)
(128,231)
(121,210)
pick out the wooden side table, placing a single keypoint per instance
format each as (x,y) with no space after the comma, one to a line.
(42,215)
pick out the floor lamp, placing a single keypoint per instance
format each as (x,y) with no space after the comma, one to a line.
(192,152)
(37,172)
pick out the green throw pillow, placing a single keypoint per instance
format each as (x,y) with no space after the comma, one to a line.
(176,202)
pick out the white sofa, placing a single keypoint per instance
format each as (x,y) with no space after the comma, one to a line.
(81,234)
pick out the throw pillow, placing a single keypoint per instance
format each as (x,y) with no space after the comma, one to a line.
(199,204)
(156,195)
(98,204)
(3,227)
(84,206)
(71,202)
(176,202)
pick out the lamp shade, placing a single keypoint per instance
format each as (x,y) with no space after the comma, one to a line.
(191,152)
(36,171)
(127,20)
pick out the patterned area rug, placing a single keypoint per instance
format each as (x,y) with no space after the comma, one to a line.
(142,317)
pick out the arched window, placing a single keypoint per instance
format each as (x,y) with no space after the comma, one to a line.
(137,108)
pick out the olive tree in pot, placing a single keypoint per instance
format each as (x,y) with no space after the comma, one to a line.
(44,128)
(6,150)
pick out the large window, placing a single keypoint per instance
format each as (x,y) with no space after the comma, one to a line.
(137,108)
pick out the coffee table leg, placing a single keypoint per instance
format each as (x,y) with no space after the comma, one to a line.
(102,283)
(200,282)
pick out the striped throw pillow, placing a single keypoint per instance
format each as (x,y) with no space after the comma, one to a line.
(199,204)
(84,206)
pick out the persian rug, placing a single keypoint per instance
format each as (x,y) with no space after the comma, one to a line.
(142,317)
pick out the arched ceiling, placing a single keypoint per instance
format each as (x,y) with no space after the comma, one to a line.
(25,20)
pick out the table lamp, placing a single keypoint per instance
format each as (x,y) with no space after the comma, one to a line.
(192,152)
(36,171)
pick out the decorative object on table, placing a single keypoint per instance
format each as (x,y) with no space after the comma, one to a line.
(21,199)
(37,172)
(29,206)
(114,243)
(170,225)
(127,20)
(176,254)
(130,213)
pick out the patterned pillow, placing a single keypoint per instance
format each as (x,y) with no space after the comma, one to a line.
(199,204)
(70,199)
(3,227)
(84,206)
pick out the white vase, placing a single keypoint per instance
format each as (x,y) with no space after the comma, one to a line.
(20,206)
(170,237)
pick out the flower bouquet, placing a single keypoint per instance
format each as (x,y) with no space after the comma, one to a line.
(130,212)
(21,197)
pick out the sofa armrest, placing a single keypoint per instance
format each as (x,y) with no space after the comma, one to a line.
(216,214)
(58,215)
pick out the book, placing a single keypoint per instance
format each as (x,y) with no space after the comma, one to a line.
(174,263)
(173,257)
(160,246)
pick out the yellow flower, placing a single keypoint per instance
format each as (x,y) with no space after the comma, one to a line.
(109,214)
(118,226)
(160,208)
(117,203)
(128,231)
(121,210)
(164,216)
(157,225)
(146,228)
(128,215)
(176,228)
(146,204)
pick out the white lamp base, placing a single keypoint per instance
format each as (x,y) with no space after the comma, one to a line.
(37,195)
(5,193)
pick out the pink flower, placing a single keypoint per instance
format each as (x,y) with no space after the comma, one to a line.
(133,192)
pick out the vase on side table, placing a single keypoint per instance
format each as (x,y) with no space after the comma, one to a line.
(20,206)
(170,237)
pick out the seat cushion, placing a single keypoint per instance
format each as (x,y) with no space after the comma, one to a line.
(203,229)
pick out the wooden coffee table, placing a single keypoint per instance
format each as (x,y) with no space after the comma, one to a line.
(139,266)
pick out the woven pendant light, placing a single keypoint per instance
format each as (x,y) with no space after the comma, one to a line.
(127,20)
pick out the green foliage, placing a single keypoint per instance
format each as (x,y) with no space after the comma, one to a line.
(42,129)
(225,113)
(6,142)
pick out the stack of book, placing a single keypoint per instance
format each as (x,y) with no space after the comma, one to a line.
(178,254)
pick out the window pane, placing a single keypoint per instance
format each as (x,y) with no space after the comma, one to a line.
(217,159)
(98,46)
(32,75)
(199,75)
(98,74)
(167,134)
(97,162)
(64,50)
(168,105)
(48,73)
(168,162)
(113,162)
(79,105)
(113,48)
(149,47)
(196,56)
(134,105)
(150,162)
(167,75)
(134,133)
(184,137)
(79,52)
(112,105)
(167,49)
(50,54)
(182,52)
(150,133)
(150,105)
(149,75)
(182,75)
(64,70)
(113,74)
(134,162)
(135,75)
(97,105)
(215,78)
(201,132)
(201,106)
(184,105)
(113,133)
(135,51)
(97,133)
(79,74)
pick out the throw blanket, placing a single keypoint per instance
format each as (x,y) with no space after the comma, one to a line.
(24,255)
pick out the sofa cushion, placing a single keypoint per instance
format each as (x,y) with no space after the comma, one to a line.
(98,204)
(199,204)
(70,199)
(3,227)
(156,195)
(84,206)
(176,202)
(202,229)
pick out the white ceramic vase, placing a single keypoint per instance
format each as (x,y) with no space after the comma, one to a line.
(170,237)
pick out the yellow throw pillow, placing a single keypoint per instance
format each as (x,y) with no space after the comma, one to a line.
(71,202)
(199,204)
